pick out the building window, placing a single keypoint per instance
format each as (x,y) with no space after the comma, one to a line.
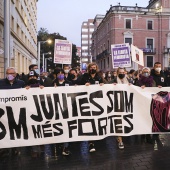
(91,29)
(128,40)
(84,42)
(104,63)
(84,36)
(150,43)
(150,25)
(108,62)
(84,30)
(108,27)
(84,54)
(12,23)
(128,24)
(149,61)
(84,48)
(18,30)
(108,46)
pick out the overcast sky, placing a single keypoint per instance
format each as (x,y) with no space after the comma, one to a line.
(66,16)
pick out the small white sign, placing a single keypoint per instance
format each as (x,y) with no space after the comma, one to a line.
(137,55)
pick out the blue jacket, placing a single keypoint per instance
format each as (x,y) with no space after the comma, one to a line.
(5,84)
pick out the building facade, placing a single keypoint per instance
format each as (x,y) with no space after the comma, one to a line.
(87,29)
(147,28)
(23,38)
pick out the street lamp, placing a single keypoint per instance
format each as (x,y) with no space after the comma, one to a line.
(39,46)
(50,58)
(43,60)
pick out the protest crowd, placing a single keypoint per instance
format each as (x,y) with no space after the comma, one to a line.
(66,76)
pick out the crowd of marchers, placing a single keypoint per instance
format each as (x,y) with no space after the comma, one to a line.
(146,77)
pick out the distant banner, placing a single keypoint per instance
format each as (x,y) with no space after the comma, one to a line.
(84,66)
(81,113)
(121,55)
(62,52)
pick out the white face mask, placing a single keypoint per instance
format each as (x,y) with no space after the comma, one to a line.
(66,71)
(158,69)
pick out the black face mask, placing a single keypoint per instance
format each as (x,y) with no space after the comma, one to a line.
(92,71)
(33,81)
(121,76)
(72,76)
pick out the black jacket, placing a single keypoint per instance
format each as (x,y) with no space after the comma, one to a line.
(47,82)
(77,81)
(5,84)
(159,79)
(86,78)
(65,83)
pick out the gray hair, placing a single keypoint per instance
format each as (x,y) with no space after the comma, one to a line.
(146,68)
(10,68)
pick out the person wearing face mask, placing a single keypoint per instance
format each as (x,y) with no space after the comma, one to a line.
(58,82)
(10,82)
(121,79)
(158,75)
(66,72)
(92,76)
(45,80)
(33,83)
(75,79)
(33,80)
(32,67)
(60,78)
(146,80)
(108,76)
(160,80)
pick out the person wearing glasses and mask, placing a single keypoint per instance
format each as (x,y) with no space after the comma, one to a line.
(10,82)
(146,80)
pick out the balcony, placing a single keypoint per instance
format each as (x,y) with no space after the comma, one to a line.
(149,51)
(102,55)
(166,50)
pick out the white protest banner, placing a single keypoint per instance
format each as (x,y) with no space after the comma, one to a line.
(62,52)
(137,55)
(121,55)
(81,113)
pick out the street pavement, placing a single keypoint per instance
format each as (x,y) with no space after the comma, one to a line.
(137,155)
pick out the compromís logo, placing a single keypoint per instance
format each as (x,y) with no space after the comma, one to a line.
(13,99)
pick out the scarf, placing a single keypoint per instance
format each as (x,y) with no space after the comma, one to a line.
(147,81)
